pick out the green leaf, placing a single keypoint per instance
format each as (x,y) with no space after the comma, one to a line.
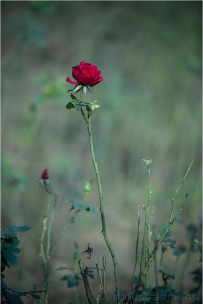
(63,268)
(33,293)
(75,205)
(2,233)
(170,242)
(8,288)
(18,228)
(22,228)
(179,250)
(82,207)
(34,296)
(13,298)
(167,275)
(88,208)
(10,233)
(15,241)
(73,96)
(78,107)
(12,247)
(70,105)
(10,257)
(91,274)
(162,230)
(71,280)
(192,230)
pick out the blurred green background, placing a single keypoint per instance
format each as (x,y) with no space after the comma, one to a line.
(149,54)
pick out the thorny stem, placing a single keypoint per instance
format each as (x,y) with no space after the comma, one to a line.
(102,209)
(145,253)
(83,114)
(104,276)
(171,221)
(87,287)
(161,239)
(176,192)
(76,258)
(60,236)
(137,244)
(155,266)
(46,256)
(50,223)
(101,287)
(44,260)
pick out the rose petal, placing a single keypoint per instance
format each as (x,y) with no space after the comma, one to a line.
(70,81)
(97,74)
(75,72)
(96,81)
(86,71)
(93,71)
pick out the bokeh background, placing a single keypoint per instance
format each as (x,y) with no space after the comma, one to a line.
(149,54)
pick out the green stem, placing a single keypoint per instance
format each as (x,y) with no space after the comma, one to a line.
(100,291)
(76,271)
(87,287)
(155,268)
(50,224)
(44,260)
(151,257)
(176,192)
(146,235)
(102,209)
(83,114)
(60,237)
(104,277)
(171,221)
(137,245)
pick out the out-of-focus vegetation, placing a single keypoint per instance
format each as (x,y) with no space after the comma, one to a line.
(150,106)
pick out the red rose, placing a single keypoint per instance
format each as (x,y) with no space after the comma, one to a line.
(86,74)
(45,174)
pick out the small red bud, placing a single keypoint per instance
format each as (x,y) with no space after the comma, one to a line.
(45,174)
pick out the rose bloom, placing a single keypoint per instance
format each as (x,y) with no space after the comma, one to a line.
(45,174)
(86,74)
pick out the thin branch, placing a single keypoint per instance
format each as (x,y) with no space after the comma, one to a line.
(171,221)
(104,276)
(145,253)
(50,223)
(102,209)
(44,260)
(137,244)
(87,287)
(61,236)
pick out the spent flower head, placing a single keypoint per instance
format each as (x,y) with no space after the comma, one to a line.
(45,174)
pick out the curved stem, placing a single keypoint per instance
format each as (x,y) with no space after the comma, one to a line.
(44,260)
(146,235)
(102,209)
(104,277)
(137,244)
(172,218)
(87,288)
(50,223)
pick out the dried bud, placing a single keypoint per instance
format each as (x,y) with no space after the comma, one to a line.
(45,174)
